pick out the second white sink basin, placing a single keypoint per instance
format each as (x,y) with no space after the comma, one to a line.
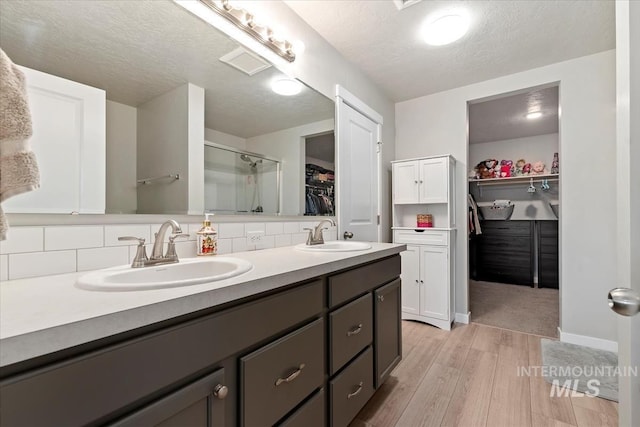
(189,271)
(335,246)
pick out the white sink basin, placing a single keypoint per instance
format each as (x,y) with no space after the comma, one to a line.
(336,246)
(190,271)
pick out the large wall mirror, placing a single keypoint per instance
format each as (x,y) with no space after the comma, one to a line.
(151,56)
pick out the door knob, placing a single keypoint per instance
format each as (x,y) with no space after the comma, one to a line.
(624,301)
(220,391)
(347,235)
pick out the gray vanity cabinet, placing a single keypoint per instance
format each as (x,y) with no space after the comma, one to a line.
(309,355)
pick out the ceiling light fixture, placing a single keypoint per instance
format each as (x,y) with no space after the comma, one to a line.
(445,27)
(244,20)
(534,115)
(286,87)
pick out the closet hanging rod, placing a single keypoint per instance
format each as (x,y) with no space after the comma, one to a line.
(145,181)
(526,182)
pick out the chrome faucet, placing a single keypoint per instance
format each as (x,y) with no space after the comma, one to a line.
(157,256)
(315,234)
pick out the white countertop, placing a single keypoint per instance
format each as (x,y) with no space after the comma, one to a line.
(42,315)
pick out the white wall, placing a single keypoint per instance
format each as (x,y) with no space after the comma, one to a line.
(218,137)
(437,124)
(288,146)
(121,129)
(171,141)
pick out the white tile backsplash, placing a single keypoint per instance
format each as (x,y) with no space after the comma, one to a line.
(41,264)
(4,267)
(230,230)
(40,251)
(23,239)
(273,228)
(282,240)
(240,244)
(291,227)
(254,226)
(93,259)
(299,238)
(112,232)
(73,237)
(225,246)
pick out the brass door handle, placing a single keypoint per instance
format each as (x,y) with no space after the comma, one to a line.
(291,377)
(355,331)
(355,393)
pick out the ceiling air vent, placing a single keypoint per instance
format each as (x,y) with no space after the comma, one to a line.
(403,4)
(245,61)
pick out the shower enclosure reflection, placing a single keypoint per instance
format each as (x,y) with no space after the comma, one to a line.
(240,182)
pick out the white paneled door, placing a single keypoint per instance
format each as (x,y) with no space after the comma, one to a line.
(357,173)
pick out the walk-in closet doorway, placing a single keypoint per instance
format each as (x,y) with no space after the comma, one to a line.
(514,204)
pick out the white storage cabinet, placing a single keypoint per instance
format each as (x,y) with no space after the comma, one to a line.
(69,137)
(422,186)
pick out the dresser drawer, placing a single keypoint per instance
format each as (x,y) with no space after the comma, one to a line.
(351,390)
(311,414)
(277,377)
(422,237)
(351,330)
(353,283)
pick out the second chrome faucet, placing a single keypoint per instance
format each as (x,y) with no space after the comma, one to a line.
(157,255)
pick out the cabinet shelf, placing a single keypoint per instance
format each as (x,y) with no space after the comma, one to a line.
(525,179)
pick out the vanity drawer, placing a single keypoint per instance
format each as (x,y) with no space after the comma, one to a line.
(422,237)
(311,414)
(351,329)
(352,283)
(280,375)
(351,390)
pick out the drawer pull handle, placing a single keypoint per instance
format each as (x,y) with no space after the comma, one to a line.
(355,331)
(357,392)
(291,377)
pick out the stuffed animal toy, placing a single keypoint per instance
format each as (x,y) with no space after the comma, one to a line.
(538,168)
(519,166)
(526,169)
(505,168)
(555,165)
(486,169)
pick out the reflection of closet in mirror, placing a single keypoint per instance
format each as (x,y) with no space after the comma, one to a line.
(240,182)
(320,174)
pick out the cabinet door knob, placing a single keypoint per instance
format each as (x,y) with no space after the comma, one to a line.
(220,391)
(421,281)
(417,281)
(381,298)
(416,182)
(421,181)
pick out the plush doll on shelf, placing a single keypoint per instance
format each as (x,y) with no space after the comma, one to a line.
(505,168)
(519,167)
(486,169)
(555,165)
(526,169)
(538,169)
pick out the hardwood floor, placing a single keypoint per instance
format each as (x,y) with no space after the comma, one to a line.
(468,377)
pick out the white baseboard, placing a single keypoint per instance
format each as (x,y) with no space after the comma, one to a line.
(587,341)
(463,318)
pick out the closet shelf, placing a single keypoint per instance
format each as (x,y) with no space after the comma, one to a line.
(525,179)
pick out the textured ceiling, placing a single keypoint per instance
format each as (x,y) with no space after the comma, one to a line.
(137,50)
(504,118)
(505,37)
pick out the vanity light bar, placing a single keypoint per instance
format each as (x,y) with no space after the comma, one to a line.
(244,20)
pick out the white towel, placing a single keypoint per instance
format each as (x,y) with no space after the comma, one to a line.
(18,167)
(502,203)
